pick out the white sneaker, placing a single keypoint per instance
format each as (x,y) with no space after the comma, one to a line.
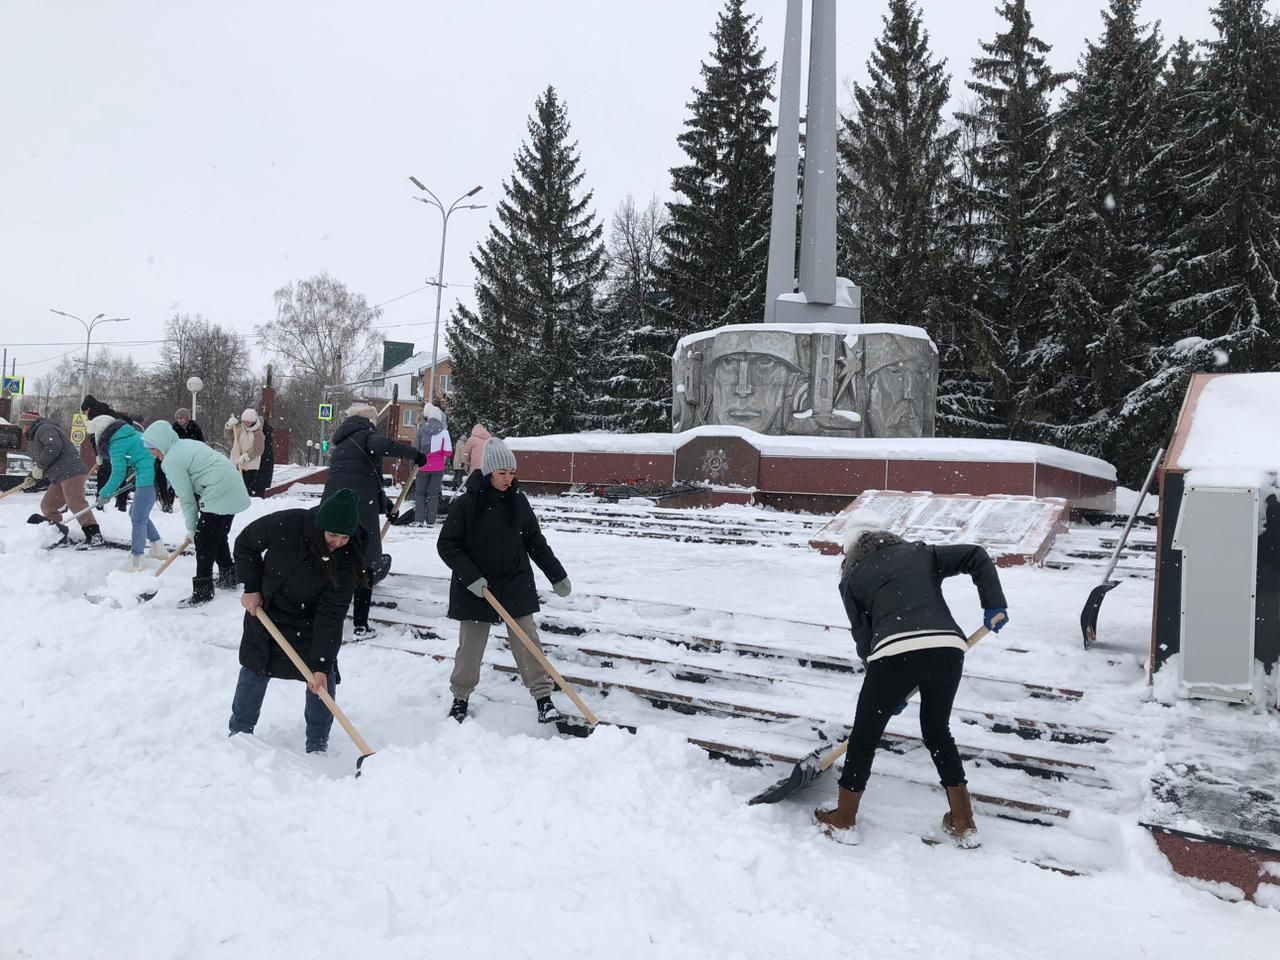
(135,564)
(158,551)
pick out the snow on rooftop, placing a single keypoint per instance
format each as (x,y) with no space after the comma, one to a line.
(1234,437)
(887,448)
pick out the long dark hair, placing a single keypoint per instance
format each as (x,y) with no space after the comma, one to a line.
(344,554)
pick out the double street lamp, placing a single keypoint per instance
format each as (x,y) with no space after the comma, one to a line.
(432,200)
(88,336)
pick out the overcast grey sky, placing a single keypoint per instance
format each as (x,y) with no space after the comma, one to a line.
(173,156)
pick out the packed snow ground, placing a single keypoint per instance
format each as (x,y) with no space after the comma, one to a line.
(135,828)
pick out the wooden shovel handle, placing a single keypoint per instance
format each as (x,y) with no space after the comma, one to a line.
(404,492)
(839,751)
(26,484)
(307,674)
(186,542)
(532,647)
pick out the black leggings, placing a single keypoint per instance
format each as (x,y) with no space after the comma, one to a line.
(212,530)
(936,671)
(360,606)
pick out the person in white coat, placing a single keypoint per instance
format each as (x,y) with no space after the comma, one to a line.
(247,444)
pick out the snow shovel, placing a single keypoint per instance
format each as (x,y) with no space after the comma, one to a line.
(815,764)
(566,726)
(26,484)
(404,492)
(149,594)
(307,673)
(1089,615)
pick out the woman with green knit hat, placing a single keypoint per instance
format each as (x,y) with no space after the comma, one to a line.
(301,567)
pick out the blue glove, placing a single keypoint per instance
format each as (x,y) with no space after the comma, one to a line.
(899,708)
(562,588)
(478,587)
(990,621)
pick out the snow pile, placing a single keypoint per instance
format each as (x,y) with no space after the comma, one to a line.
(135,828)
(1234,439)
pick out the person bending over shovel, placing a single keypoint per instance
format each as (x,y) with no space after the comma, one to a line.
(211,493)
(906,636)
(300,566)
(487,540)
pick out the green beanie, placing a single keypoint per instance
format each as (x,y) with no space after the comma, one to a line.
(339,514)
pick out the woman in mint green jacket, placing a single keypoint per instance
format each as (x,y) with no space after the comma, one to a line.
(211,492)
(126,450)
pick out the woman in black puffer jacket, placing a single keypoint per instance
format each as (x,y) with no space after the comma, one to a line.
(301,567)
(907,637)
(488,540)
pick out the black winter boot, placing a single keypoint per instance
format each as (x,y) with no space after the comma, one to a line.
(92,538)
(547,712)
(201,592)
(226,580)
(459,710)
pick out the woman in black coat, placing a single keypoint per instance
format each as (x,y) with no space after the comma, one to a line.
(356,464)
(907,637)
(301,567)
(488,539)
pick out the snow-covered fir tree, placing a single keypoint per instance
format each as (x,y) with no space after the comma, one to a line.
(519,358)
(1217,279)
(897,157)
(635,357)
(1010,127)
(1099,252)
(716,245)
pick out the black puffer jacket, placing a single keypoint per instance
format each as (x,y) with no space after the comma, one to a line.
(897,589)
(494,535)
(282,556)
(191,431)
(357,465)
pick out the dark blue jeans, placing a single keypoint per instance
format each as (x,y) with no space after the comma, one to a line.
(246,705)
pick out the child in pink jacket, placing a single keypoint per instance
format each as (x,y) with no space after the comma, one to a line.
(433,440)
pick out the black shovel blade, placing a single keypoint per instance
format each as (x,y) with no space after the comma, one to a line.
(148,595)
(807,770)
(360,763)
(1089,615)
(579,727)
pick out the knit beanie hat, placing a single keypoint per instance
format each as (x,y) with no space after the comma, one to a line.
(250,415)
(339,514)
(497,456)
(182,413)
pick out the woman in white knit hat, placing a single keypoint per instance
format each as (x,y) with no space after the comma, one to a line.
(488,539)
(247,444)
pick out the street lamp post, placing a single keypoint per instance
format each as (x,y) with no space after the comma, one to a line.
(195,385)
(88,336)
(444,233)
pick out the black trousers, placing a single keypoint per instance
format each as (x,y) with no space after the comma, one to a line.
(888,682)
(212,532)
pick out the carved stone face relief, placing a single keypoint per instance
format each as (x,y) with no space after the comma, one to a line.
(804,381)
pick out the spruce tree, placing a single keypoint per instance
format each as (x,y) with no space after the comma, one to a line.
(1012,165)
(1218,283)
(519,359)
(717,242)
(635,394)
(1099,252)
(896,155)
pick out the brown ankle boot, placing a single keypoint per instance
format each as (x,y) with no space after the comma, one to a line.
(839,822)
(958,821)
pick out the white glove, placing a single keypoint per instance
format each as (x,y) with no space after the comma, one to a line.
(231,422)
(245,459)
(37,472)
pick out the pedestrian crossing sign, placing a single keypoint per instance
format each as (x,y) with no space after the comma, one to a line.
(14,386)
(325,412)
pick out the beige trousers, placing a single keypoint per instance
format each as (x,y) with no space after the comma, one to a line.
(472,637)
(68,493)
